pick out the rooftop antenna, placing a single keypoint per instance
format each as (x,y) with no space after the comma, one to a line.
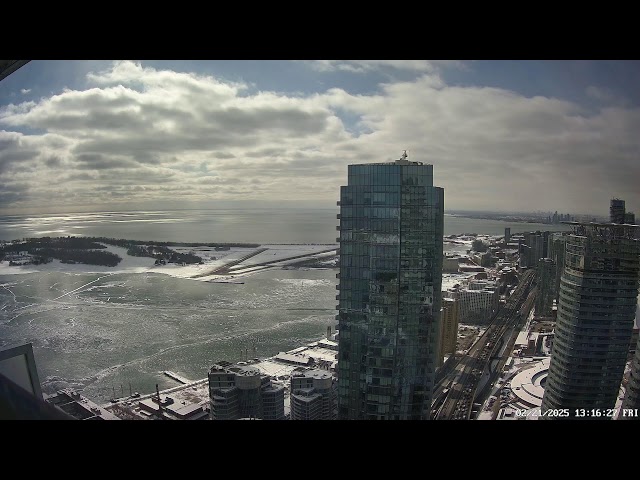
(404,156)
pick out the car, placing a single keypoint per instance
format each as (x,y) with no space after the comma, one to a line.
(135,395)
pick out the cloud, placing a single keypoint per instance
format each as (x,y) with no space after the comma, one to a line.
(365,66)
(140,134)
(24,91)
(605,96)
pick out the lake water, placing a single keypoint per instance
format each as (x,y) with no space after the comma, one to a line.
(224,226)
(124,329)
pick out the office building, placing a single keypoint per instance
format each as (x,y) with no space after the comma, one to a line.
(507,234)
(478,301)
(617,211)
(557,245)
(630,218)
(534,248)
(596,311)
(313,395)
(77,406)
(545,280)
(242,391)
(391,239)
(449,335)
(21,396)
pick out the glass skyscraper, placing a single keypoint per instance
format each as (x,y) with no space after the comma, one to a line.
(596,311)
(391,230)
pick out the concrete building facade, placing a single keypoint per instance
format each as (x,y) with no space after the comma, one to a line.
(313,395)
(632,394)
(596,312)
(478,301)
(617,211)
(545,280)
(557,244)
(237,391)
(449,335)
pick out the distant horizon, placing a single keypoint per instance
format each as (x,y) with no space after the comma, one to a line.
(279,207)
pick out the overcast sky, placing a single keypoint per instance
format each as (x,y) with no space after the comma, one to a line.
(502,135)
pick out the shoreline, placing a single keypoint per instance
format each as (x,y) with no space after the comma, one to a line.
(234,263)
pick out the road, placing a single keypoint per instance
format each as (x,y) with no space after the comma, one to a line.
(465,377)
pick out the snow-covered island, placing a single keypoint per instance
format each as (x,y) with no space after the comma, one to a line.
(203,262)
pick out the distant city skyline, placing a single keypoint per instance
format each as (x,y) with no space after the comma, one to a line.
(79,135)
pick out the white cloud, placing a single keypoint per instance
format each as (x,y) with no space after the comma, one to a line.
(24,91)
(605,96)
(140,134)
(364,66)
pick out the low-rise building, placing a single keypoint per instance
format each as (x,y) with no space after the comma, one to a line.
(242,391)
(313,395)
(78,406)
(478,301)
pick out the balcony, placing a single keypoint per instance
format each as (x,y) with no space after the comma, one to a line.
(338,203)
(338,227)
(338,275)
(338,216)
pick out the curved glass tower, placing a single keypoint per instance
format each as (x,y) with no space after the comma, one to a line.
(391,229)
(596,311)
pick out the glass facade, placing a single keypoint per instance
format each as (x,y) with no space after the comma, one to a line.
(545,278)
(596,311)
(391,230)
(632,395)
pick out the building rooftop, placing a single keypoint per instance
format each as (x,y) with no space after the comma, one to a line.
(315,373)
(78,406)
(293,358)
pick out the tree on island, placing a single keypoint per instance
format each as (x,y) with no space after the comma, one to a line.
(479,246)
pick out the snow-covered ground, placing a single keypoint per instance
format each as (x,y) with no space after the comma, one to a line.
(212,259)
(449,280)
(128,264)
(277,252)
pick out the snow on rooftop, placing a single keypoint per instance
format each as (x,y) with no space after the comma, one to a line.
(526,385)
(449,280)
(274,369)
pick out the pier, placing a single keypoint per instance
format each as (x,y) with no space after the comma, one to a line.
(177,377)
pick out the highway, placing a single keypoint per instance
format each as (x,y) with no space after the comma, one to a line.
(454,397)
